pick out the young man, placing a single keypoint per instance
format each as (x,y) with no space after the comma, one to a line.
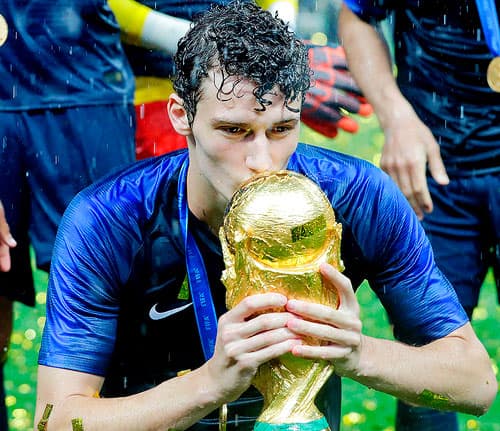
(442,134)
(120,322)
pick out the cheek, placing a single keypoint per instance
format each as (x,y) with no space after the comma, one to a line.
(285,150)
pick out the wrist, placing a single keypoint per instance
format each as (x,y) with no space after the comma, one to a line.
(394,111)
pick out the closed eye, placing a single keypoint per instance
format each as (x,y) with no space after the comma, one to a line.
(284,129)
(281,129)
(232,130)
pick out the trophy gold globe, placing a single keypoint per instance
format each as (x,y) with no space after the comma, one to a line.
(278,228)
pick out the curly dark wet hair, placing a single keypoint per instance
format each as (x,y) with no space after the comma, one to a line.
(246,42)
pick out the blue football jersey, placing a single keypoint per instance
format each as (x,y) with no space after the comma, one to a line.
(62,53)
(117,305)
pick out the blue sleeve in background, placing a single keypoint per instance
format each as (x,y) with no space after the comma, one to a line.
(370,10)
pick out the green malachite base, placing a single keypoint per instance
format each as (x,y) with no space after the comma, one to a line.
(317,425)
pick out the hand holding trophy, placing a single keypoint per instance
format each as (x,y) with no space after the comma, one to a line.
(279,227)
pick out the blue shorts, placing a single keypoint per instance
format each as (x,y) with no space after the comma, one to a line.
(46,157)
(464,230)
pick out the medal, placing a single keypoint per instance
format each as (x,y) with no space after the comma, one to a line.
(493,74)
(489,21)
(4,30)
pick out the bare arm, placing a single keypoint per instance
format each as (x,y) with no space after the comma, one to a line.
(409,144)
(143,26)
(451,373)
(243,343)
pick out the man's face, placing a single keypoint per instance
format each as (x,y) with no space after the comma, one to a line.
(232,139)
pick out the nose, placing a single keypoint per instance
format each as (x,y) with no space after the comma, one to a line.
(259,157)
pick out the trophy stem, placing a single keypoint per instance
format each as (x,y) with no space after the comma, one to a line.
(294,407)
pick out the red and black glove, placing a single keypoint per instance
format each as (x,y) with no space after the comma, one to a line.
(333,94)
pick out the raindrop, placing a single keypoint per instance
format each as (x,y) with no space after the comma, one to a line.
(444,19)
(56,159)
(461,111)
(478,34)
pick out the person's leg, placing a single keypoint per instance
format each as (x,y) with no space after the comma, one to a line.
(16,284)
(72,148)
(412,418)
(455,230)
(494,205)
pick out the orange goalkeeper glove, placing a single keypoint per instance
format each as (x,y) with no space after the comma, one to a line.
(333,94)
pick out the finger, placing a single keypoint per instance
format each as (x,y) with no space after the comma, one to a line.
(255,304)
(436,165)
(273,351)
(344,81)
(329,78)
(341,316)
(334,279)
(262,323)
(348,125)
(365,109)
(404,182)
(419,189)
(5,235)
(331,99)
(4,258)
(263,340)
(346,333)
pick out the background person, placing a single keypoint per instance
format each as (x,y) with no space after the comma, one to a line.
(120,321)
(442,136)
(66,118)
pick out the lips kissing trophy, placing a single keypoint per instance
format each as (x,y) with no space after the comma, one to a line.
(278,228)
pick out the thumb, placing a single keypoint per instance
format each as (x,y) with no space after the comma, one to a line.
(335,280)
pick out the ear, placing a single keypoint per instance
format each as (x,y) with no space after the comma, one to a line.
(178,115)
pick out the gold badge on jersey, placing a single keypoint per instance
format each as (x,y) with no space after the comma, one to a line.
(4,30)
(493,74)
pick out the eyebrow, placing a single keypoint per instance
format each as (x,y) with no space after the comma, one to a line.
(217,121)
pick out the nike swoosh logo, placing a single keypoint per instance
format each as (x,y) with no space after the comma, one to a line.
(158,315)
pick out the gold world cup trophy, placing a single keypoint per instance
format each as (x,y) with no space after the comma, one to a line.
(278,228)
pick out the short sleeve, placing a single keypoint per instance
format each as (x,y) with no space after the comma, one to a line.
(370,10)
(92,257)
